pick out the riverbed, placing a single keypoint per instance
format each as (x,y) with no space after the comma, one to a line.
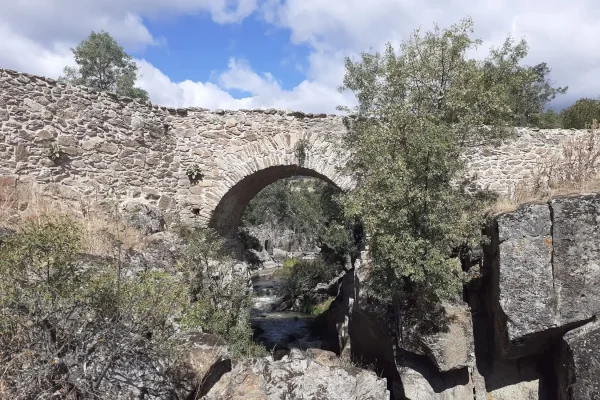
(278,329)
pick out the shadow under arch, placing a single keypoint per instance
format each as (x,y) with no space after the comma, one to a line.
(226,217)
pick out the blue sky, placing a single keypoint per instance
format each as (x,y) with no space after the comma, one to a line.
(195,48)
(286,54)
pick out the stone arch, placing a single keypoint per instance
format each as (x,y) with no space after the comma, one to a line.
(228,213)
(261,163)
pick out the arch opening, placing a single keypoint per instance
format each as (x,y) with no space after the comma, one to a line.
(227,216)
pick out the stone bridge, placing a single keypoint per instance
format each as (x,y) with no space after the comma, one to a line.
(117,146)
(138,150)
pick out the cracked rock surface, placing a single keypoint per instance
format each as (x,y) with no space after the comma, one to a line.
(547,272)
(298,378)
(579,364)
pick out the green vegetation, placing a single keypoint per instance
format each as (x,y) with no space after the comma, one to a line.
(307,207)
(303,277)
(417,107)
(550,119)
(528,88)
(288,265)
(322,307)
(310,209)
(55,153)
(194,173)
(581,114)
(103,65)
(219,297)
(70,324)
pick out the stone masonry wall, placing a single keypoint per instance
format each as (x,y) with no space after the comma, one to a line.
(501,168)
(139,150)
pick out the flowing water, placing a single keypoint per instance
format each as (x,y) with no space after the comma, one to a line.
(277,329)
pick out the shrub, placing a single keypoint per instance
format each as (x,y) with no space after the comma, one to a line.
(322,307)
(194,173)
(305,275)
(581,114)
(55,153)
(288,265)
(220,297)
(74,327)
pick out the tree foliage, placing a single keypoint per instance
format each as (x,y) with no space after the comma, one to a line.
(308,208)
(74,327)
(550,119)
(530,89)
(103,65)
(304,276)
(418,106)
(581,114)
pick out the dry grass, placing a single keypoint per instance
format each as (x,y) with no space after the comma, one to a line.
(28,203)
(575,170)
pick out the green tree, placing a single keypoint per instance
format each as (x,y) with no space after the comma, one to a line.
(581,114)
(103,65)
(530,88)
(550,119)
(307,207)
(417,108)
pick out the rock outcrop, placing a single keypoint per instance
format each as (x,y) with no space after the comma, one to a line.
(144,217)
(546,272)
(579,364)
(317,377)
(202,360)
(452,348)
(528,330)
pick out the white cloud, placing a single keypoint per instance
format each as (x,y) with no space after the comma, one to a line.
(563,34)
(24,54)
(264,92)
(36,36)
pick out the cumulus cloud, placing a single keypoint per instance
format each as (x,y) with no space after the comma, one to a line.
(37,35)
(563,34)
(263,91)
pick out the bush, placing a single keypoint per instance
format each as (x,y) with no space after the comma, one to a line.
(581,114)
(220,297)
(322,307)
(304,276)
(288,265)
(73,328)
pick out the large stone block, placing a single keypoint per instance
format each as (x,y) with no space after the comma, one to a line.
(546,269)
(294,378)
(524,299)
(576,256)
(453,348)
(579,364)
(417,387)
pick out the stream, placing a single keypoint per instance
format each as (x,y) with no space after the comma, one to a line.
(278,329)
